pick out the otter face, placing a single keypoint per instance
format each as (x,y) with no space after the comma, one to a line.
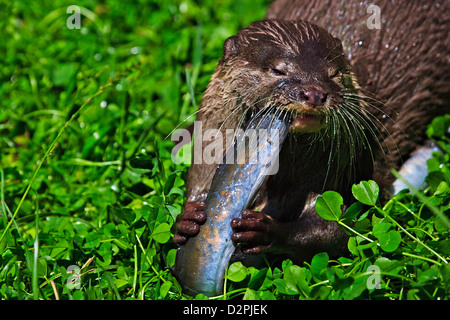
(291,65)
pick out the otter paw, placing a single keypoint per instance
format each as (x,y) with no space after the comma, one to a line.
(188,223)
(255,232)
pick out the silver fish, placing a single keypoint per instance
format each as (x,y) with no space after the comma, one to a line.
(414,170)
(201,262)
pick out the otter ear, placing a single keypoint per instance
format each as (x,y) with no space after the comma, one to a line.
(230,47)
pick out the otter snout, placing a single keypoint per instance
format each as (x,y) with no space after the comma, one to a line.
(309,95)
(313,97)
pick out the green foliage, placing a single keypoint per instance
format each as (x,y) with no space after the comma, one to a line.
(366,192)
(329,205)
(89,193)
(85,163)
(398,251)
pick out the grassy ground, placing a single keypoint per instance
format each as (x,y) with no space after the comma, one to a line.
(87,175)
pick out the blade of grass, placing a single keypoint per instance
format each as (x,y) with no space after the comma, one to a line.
(6,210)
(2,197)
(135,270)
(409,234)
(424,199)
(158,274)
(50,149)
(35,275)
(88,163)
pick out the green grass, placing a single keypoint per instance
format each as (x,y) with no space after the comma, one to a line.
(89,193)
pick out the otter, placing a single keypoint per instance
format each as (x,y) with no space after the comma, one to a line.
(360,99)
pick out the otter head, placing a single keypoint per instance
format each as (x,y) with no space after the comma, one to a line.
(289,65)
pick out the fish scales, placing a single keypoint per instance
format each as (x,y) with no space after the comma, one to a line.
(201,262)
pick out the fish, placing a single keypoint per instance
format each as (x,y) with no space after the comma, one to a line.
(414,170)
(201,262)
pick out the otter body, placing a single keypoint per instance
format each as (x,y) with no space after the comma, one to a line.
(403,66)
(360,100)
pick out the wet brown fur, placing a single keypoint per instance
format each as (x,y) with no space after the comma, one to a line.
(402,69)
(404,66)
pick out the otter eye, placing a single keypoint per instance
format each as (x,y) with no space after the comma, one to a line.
(277,72)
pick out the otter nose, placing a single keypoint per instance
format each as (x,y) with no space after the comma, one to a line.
(313,97)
